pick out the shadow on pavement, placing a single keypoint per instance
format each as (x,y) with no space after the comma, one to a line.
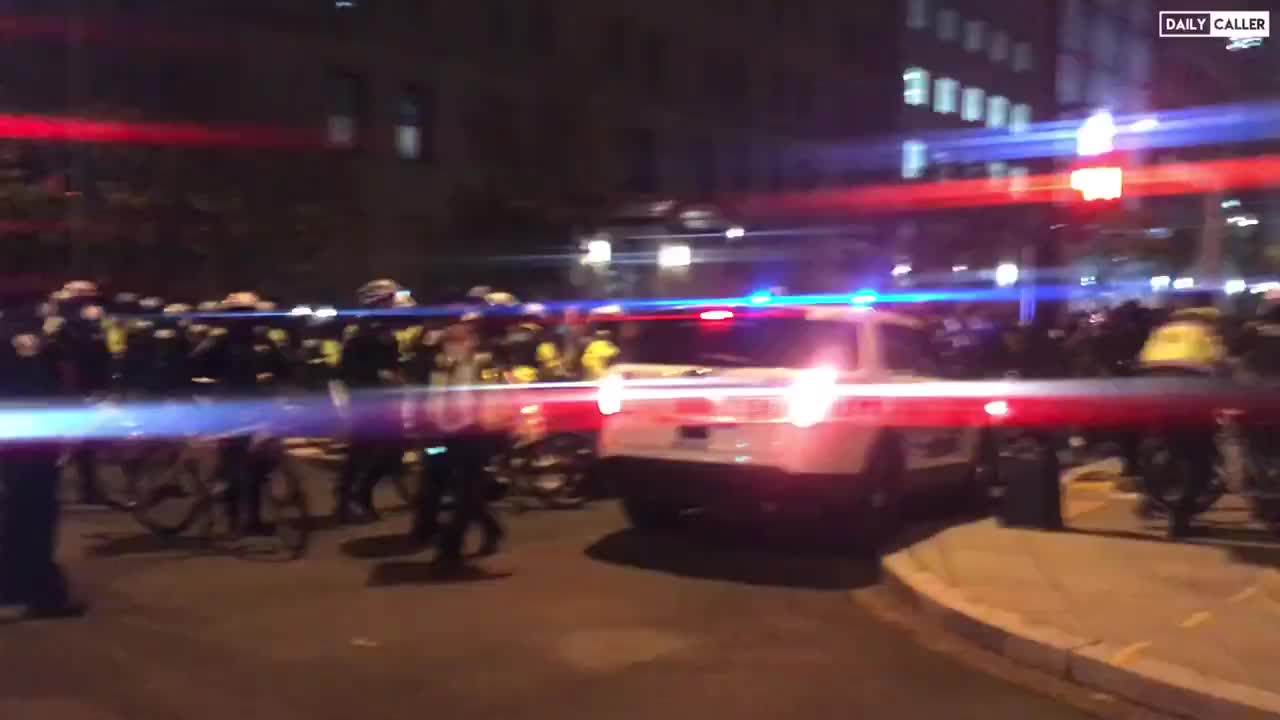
(374,547)
(743,562)
(393,573)
(146,543)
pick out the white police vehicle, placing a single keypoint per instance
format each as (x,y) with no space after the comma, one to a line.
(737,409)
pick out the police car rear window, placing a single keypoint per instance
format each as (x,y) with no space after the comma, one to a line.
(741,342)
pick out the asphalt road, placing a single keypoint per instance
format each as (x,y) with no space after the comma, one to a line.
(578,618)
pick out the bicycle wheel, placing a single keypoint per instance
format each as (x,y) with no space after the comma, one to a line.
(558,469)
(406,477)
(290,511)
(171,500)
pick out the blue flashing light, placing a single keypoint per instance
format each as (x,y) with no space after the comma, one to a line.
(762,297)
(864,297)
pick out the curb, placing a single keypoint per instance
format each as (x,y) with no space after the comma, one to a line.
(1166,687)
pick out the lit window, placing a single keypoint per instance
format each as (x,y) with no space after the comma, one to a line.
(999,46)
(945,91)
(971,104)
(918,14)
(409,126)
(1021,56)
(915,86)
(1020,118)
(973,35)
(346,103)
(948,24)
(913,158)
(997,111)
(344,4)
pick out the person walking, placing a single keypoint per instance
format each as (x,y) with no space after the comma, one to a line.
(472,436)
(29,509)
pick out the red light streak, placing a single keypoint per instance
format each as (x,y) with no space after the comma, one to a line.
(77,130)
(1146,181)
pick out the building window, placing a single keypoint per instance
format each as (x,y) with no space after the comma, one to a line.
(973,31)
(948,25)
(997,111)
(945,91)
(971,104)
(1020,118)
(999,46)
(346,108)
(1069,91)
(1021,56)
(411,125)
(915,86)
(914,158)
(918,14)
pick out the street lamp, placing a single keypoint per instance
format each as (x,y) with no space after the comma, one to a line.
(1006,274)
(599,252)
(675,256)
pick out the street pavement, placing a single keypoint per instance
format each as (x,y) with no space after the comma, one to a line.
(1208,603)
(577,618)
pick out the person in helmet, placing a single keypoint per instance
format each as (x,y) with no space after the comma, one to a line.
(29,475)
(370,361)
(77,343)
(469,439)
(1190,344)
(239,368)
(528,352)
(601,350)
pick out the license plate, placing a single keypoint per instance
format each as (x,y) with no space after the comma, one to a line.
(693,437)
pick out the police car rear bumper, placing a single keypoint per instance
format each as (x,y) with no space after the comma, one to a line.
(726,486)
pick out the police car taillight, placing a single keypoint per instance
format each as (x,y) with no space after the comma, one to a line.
(609,395)
(811,397)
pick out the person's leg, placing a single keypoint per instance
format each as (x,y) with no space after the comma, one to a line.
(86,465)
(426,512)
(467,468)
(32,488)
(351,469)
(1198,451)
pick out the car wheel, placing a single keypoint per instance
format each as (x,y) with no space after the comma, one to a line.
(651,514)
(982,476)
(877,511)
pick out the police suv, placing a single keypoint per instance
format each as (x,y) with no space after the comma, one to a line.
(741,410)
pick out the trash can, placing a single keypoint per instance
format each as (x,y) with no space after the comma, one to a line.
(1027,466)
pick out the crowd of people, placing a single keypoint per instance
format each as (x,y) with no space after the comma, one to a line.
(79,346)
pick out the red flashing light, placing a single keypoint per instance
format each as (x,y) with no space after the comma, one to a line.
(717,315)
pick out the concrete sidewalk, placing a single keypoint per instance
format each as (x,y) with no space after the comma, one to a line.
(1190,628)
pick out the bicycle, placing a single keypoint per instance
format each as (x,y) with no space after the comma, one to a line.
(195,486)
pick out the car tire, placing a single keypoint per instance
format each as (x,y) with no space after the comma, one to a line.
(651,515)
(877,511)
(982,476)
